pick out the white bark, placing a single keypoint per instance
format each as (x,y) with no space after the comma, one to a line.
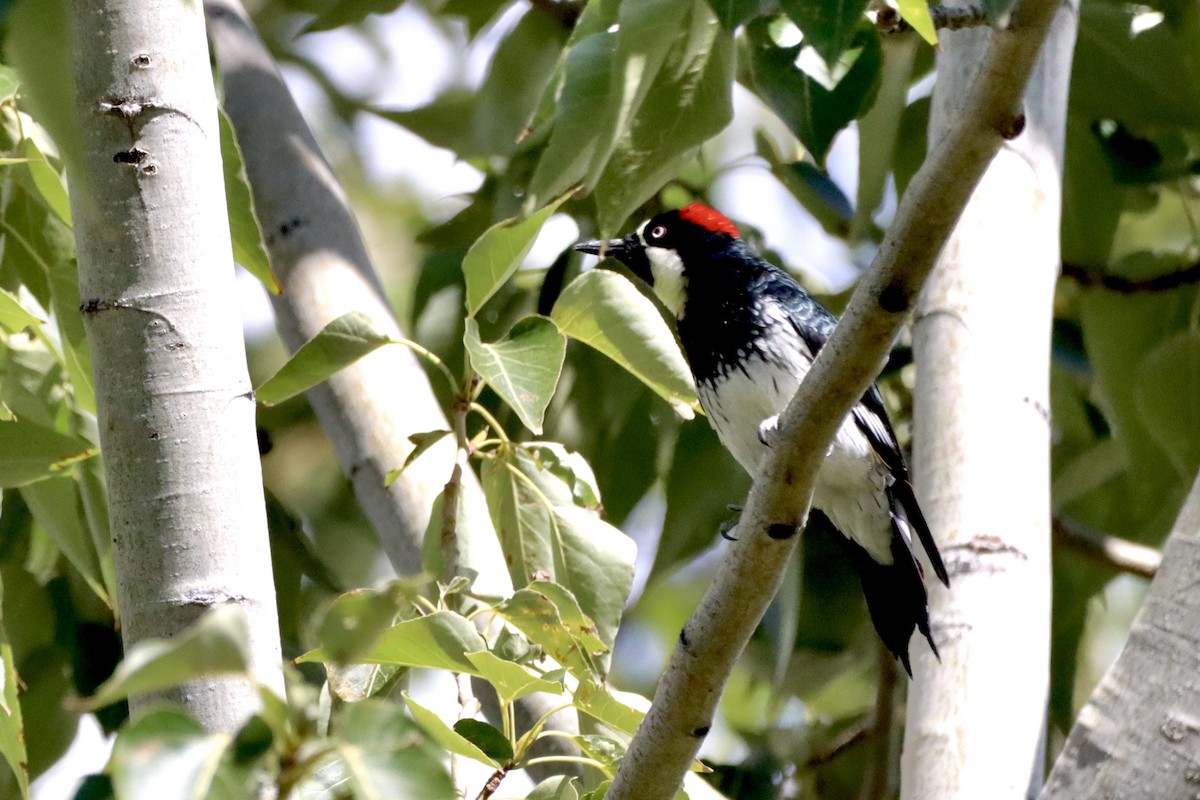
(1138,738)
(369,409)
(981,454)
(712,640)
(176,410)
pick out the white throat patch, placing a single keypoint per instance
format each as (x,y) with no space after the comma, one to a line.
(666,267)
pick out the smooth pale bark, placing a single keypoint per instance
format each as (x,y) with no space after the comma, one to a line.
(713,638)
(175,406)
(981,454)
(369,409)
(1138,737)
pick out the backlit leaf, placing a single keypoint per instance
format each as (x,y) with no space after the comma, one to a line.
(450,738)
(339,344)
(244,230)
(440,640)
(165,755)
(522,368)
(30,452)
(496,255)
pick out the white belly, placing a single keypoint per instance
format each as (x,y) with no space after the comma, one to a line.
(851,485)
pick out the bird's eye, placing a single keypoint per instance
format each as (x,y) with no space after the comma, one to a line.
(658,231)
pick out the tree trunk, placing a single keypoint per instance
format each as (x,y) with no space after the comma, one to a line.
(982,448)
(1139,735)
(175,406)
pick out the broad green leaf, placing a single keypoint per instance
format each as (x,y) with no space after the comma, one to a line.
(244,229)
(828,25)
(55,504)
(569,467)
(523,367)
(697,507)
(13,316)
(535,614)
(916,13)
(576,137)
(604,310)
(604,750)
(487,738)
(9,84)
(545,535)
(353,683)
(422,441)
(448,737)
(353,622)
(12,730)
(496,255)
(1166,391)
(611,707)
(879,129)
(339,344)
(812,112)
(440,122)
(30,452)
(385,759)
(165,755)
(511,681)
(812,186)
(440,640)
(349,12)
(1141,75)
(218,643)
(687,103)
(48,182)
(558,787)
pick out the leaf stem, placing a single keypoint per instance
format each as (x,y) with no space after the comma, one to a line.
(490,420)
(591,762)
(429,356)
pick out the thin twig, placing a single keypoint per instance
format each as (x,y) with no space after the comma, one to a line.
(1087,277)
(493,783)
(1121,554)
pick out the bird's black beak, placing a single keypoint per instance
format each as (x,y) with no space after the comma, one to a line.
(629,251)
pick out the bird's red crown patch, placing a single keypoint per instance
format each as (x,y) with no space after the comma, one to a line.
(709,219)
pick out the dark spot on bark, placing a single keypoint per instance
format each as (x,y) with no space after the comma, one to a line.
(1090,754)
(1012,127)
(154,435)
(265,443)
(91,306)
(700,732)
(289,227)
(150,169)
(780,531)
(683,640)
(141,60)
(134,156)
(893,299)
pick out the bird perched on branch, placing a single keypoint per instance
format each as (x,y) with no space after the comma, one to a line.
(750,334)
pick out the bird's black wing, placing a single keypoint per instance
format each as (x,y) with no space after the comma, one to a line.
(815,324)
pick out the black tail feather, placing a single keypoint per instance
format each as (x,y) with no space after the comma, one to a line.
(896,598)
(904,505)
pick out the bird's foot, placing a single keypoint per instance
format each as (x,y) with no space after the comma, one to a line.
(728,525)
(768,431)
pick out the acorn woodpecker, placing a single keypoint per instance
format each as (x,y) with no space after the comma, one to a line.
(750,333)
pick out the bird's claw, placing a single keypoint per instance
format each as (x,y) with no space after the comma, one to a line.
(728,525)
(768,431)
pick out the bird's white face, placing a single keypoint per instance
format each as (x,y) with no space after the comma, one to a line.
(666,267)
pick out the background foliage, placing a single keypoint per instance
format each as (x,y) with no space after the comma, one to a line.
(584,421)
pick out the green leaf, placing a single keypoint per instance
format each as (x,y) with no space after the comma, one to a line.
(610,706)
(12,730)
(339,344)
(349,12)
(1166,392)
(1143,78)
(9,84)
(604,310)
(440,122)
(545,535)
(165,755)
(423,442)
(55,504)
(48,182)
(813,112)
(511,681)
(487,738)
(733,13)
(382,758)
(565,636)
(218,643)
(30,452)
(244,230)
(558,787)
(353,683)
(828,25)
(916,13)
(522,368)
(812,186)
(451,738)
(353,622)
(496,255)
(13,316)
(688,102)
(604,750)
(440,640)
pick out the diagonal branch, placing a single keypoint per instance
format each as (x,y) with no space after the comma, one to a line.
(718,630)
